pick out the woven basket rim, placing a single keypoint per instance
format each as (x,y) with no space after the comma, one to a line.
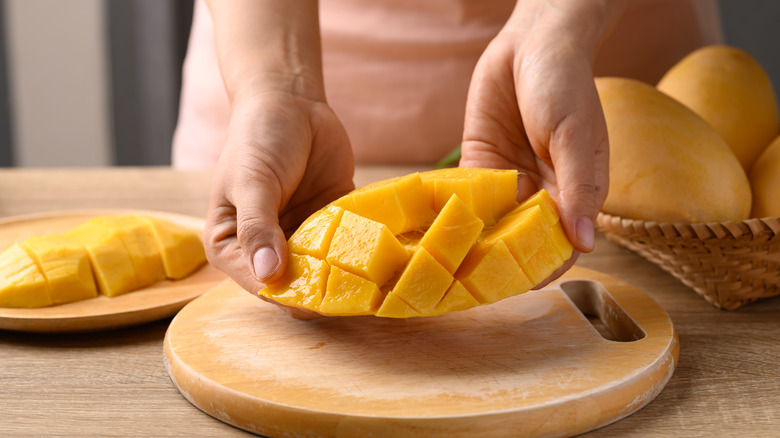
(766,228)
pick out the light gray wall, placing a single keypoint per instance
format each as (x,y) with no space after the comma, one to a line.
(752,25)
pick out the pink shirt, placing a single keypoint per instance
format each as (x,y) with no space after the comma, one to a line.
(397,71)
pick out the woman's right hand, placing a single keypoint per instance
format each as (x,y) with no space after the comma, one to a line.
(286,156)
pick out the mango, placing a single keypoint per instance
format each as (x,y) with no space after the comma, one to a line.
(423,244)
(65,265)
(765,182)
(730,90)
(21,282)
(107,255)
(666,163)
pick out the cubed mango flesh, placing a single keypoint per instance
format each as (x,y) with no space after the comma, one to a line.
(349,294)
(110,255)
(366,248)
(471,243)
(423,282)
(452,234)
(302,284)
(65,266)
(21,282)
(315,233)
(111,263)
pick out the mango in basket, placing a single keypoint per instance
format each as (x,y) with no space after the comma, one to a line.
(421,245)
(667,164)
(730,90)
(765,181)
(110,255)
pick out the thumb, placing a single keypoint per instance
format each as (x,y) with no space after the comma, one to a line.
(581,164)
(259,235)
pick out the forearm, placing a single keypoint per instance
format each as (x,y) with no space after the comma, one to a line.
(269,43)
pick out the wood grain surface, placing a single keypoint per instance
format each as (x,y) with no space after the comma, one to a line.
(114,383)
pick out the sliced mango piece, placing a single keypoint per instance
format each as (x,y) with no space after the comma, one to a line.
(490,193)
(303,283)
(523,232)
(423,283)
(110,255)
(453,233)
(366,248)
(111,263)
(456,298)
(140,240)
(315,233)
(180,248)
(65,265)
(394,307)
(543,263)
(479,246)
(402,203)
(494,276)
(22,284)
(350,294)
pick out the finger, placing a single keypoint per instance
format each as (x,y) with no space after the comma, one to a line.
(567,129)
(257,200)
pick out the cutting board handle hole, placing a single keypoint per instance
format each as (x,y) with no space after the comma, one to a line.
(602,311)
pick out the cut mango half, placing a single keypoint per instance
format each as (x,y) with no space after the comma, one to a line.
(423,244)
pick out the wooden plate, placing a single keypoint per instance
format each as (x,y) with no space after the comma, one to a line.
(159,301)
(531,365)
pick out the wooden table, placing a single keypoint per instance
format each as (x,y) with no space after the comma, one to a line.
(114,383)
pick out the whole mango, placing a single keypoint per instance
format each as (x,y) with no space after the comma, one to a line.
(765,182)
(666,163)
(729,89)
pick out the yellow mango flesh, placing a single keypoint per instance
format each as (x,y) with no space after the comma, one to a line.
(452,234)
(110,255)
(180,248)
(480,246)
(303,283)
(21,282)
(423,282)
(111,263)
(314,235)
(65,266)
(139,238)
(456,298)
(349,294)
(366,248)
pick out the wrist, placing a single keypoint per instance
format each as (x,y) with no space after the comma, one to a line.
(582,25)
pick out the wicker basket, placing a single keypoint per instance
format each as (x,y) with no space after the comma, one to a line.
(730,264)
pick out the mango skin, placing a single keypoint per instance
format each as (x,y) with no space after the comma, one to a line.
(730,90)
(468,252)
(765,182)
(666,163)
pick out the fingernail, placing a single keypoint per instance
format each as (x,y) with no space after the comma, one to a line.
(585,232)
(265,262)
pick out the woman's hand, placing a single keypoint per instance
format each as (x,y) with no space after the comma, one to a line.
(285,157)
(286,154)
(533,106)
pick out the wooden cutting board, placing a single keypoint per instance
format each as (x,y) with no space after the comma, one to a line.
(531,365)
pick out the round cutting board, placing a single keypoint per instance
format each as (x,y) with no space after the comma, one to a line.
(531,365)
